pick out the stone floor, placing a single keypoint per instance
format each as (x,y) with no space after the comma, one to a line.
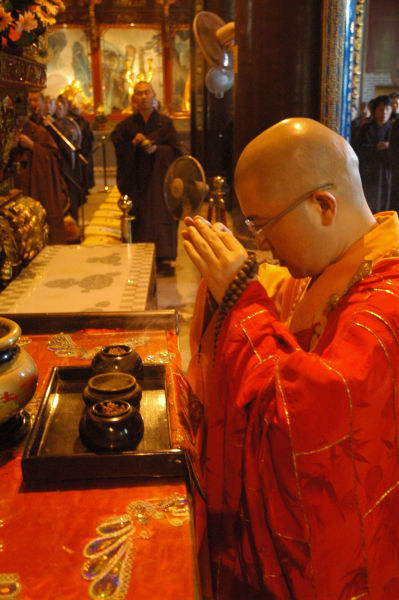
(172,292)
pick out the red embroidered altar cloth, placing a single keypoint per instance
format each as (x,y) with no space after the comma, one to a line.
(44,529)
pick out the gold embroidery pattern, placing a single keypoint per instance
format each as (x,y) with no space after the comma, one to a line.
(388,326)
(252,344)
(251,316)
(392,377)
(110,556)
(272,576)
(289,537)
(383,496)
(386,291)
(327,447)
(364,270)
(349,396)
(288,420)
(270,357)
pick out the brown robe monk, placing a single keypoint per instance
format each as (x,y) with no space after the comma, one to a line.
(40,177)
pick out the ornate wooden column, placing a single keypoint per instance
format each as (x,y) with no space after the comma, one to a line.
(278,64)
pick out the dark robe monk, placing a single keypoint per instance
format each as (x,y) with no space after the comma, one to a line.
(140,175)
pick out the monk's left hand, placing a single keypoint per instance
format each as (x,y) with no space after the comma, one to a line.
(216,253)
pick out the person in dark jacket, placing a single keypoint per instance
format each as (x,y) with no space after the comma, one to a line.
(372,148)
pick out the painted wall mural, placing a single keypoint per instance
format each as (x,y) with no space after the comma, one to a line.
(69,60)
(129,55)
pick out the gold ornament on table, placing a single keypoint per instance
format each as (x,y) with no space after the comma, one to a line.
(23,234)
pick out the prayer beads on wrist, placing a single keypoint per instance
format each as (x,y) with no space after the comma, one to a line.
(234,291)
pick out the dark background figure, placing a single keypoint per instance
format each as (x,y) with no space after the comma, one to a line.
(372,148)
(146,143)
(363,117)
(395,105)
(86,147)
(394,160)
(71,165)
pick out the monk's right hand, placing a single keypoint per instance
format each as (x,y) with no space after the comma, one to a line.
(138,138)
(216,253)
(25,141)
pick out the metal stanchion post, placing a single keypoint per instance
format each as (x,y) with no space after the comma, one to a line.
(83,226)
(103,139)
(216,201)
(126,204)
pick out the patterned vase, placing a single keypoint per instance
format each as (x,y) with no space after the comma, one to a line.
(18,374)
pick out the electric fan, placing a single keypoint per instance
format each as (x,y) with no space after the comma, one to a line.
(216,39)
(185,187)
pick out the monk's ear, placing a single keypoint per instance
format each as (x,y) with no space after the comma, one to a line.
(327,206)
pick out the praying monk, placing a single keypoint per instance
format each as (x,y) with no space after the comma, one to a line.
(298,447)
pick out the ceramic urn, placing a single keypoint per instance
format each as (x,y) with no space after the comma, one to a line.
(18,372)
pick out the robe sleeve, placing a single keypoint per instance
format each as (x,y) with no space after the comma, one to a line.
(125,153)
(163,133)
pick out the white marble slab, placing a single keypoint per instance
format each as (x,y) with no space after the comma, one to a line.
(108,278)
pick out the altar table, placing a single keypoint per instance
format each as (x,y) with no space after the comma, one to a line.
(115,539)
(81,278)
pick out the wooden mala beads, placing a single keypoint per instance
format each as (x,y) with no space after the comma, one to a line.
(234,291)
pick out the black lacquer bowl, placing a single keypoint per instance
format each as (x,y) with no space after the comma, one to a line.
(118,358)
(112,386)
(111,425)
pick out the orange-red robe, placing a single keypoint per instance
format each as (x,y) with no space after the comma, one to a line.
(299,450)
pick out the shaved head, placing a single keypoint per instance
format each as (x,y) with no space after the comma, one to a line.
(297,155)
(293,158)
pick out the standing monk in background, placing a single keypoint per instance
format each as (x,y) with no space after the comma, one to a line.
(146,143)
(298,448)
(39,175)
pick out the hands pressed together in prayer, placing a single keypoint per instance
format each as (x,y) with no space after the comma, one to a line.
(216,253)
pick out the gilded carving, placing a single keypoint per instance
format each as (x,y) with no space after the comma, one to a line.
(358,55)
(338,48)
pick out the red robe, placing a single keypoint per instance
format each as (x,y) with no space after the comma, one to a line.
(299,450)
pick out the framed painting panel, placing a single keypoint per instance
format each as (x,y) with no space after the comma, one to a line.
(181,71)
(129,54)
(69,61)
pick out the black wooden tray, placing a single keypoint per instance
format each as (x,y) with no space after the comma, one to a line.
(54,451)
